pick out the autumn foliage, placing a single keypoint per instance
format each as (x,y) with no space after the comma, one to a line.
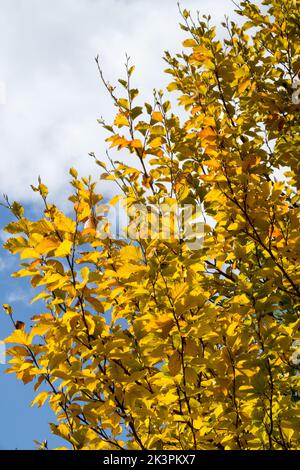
(147,344)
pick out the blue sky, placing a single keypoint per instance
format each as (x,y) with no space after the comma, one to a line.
(48,124)
(20,423)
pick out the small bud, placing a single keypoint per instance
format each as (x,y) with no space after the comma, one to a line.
(73,172)
(20,325)
(8,309)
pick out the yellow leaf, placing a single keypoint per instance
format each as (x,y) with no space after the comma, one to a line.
(243,85)
(231,328)
(191,348)
(39,330)
(121,120)
(40,399)
(83,211)
(287,433)
(198,423)
(91,325)
(207,133)
(128,269)
(85,274)
(157,116)
(178,291)
(117,141)
(175,363)
(60,374)
(136,143)
(115,200)
(29,253)
(64,223)
(233,226)
(71,319)
(41,295)
(156,142)
(46,245)
(132,253)
(97,304)
(8,309)
(191,375)
(168,398)
(189,43)
(64,248)
(172,86)
(73,172)
(124,103)
(15,244)
(19,337)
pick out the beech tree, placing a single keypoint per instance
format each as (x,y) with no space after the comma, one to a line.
(150,343)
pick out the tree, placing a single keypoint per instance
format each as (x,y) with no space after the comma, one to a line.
(150,343)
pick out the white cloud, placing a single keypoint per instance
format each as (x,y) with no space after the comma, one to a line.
(4,236)
(7,264)
(2,264)
(53,92)
(18,296)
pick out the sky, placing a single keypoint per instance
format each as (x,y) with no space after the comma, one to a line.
(50,99)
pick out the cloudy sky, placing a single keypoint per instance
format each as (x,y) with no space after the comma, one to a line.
(48,121)
(53,92)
